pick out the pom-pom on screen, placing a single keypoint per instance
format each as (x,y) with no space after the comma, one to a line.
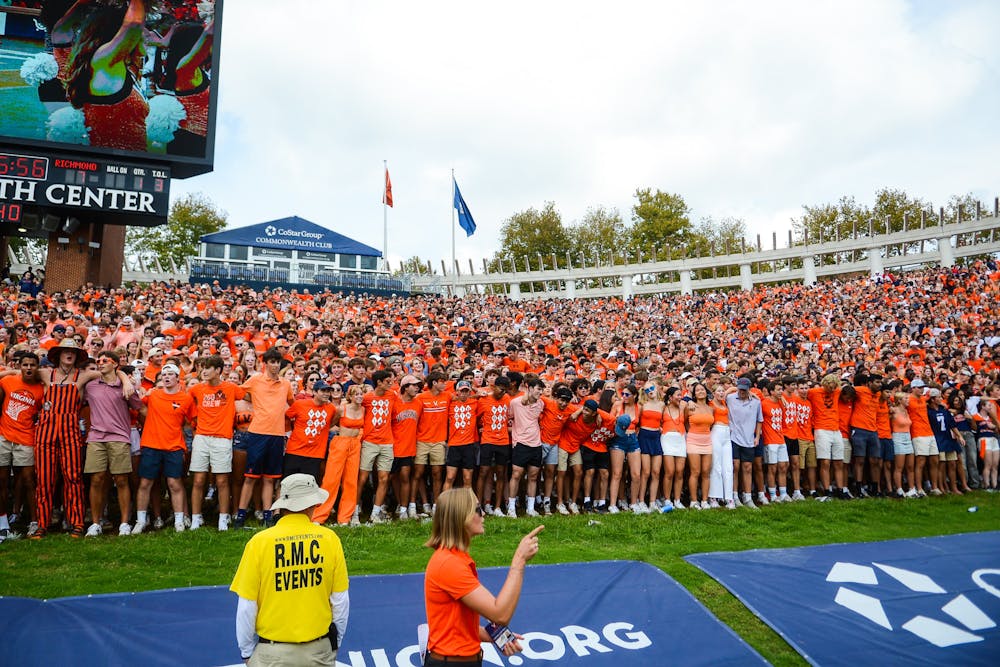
(123,77)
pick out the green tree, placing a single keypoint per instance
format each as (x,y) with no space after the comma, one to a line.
(190,217)
(598,233)
(527,234)
(659,219)
(411,266)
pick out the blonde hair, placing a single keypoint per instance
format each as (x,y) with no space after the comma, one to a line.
(354,390)
(451,516)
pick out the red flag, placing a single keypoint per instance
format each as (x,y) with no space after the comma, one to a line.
(387,197)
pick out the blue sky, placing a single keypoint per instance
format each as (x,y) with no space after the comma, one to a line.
(745,109)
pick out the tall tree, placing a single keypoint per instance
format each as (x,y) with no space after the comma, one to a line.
(527,234)
(411,266)
(190,217)
(599,232)
(658,219)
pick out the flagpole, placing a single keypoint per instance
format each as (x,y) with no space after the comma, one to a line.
(454,278)
(385,220)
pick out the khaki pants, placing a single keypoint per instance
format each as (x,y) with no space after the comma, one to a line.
(292,655)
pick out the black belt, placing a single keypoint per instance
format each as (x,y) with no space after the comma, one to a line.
(264,640)
(456,658)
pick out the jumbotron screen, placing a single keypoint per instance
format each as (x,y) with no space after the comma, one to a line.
(136,79)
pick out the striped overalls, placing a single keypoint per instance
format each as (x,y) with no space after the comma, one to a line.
(59,447)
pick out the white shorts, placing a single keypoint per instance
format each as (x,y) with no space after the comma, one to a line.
(829,445)
(209,452)
(925,445)
(990,444)
(13,454)
(673,444)
(776,453)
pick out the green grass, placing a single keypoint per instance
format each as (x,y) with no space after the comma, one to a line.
(59,566)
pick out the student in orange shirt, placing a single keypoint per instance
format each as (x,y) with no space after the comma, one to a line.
(462,417)
(432,434)
(162,445)
(494,448)
(265,438)
(21,397)
(311,419)
(212,446)
(550,423)
(406,416)
(925,446)
(376,443)
(864,431)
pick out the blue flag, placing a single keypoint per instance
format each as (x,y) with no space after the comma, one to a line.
(465,220)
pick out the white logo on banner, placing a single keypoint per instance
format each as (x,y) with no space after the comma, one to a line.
(270,230)
(934,631)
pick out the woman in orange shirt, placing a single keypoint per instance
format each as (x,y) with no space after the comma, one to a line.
(674,449)
(453,597)
(699,415)
(344,457)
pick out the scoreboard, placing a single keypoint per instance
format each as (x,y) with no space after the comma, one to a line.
(35,183)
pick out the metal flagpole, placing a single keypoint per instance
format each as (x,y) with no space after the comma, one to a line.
(454,277)
(385,218)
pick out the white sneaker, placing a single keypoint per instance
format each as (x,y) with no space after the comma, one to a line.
(94,530)
(187,521)
(124,529)
(355,521)
(634,508)
(139,527)
(32,528)
(695,505)
(531,512)
(498,512)
(561,508)
(912,493)
(547,508)
(197,521)
(259,514)
(511,513)
(665,505)
(411,513)
(179,526)
(644,508)
(748,503)
(798,495)
(730,504)
(223,522)
(428,510)
(377,519)
(762,499)
(705,505)
(713,504)
(678,505)
(158,524)
(613,509)
(574,508)
(401,513)
(784,498)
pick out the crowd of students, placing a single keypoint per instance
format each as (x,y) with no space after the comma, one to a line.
(207,397)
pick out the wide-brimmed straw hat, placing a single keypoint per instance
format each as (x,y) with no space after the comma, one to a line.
(68,344)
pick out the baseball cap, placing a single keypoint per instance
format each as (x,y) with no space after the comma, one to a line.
(743,383)
(590,404)
(171,368)
(934,393)
(564,393)
(319,385)
(917,383)
(463,384)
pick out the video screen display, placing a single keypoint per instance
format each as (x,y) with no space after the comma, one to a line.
(110,76)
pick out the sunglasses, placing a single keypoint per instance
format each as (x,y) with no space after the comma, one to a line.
(626,394)
(337,389)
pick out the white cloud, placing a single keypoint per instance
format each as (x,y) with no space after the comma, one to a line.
(745,109)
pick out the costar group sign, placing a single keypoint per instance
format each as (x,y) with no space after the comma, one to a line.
(277,236)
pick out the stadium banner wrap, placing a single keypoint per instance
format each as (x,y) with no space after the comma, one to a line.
(609,613)
(928,601)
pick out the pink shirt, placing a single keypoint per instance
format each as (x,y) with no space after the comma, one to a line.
(525,430)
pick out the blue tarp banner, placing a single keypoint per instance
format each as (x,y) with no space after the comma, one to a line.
(929,601)
(595,614)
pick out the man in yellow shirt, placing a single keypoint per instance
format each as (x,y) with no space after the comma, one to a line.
(292,585)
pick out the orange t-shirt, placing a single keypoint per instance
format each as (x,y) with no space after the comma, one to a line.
(552,420)
(378,418)
(826,414)
(270,399)
(165,419)
(494,417)
(453,626)
(865,407)
(433,423)
(216,408)
(310,429)
(773,422)
(405,418)
(462,423)
(21,403)
(917,409)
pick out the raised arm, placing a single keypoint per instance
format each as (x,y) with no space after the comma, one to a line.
(126,40)
(189,74)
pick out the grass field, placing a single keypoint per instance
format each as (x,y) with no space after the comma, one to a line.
(59,566)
